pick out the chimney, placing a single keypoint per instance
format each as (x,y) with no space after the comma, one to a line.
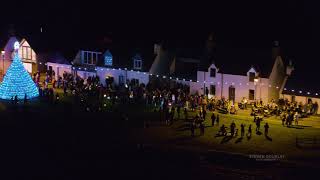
(275,50)
(290,68)
(156,49)
(11,30)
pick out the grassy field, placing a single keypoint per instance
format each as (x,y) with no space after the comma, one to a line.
(281,140)
(43,139)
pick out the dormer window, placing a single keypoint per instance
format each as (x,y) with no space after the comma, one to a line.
(252,75)
(108,59)
(213,72)
(137,62)
(89,57)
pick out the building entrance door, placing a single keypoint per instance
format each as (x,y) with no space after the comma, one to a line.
(232,93)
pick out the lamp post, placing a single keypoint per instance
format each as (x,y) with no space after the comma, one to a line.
(204,83)
(2,54)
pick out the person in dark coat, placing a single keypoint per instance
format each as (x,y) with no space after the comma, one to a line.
(16,99)
(202,129)
(213,119)
(222,130)
(25,99)
(204,113)
(65,90)
(171,117)
(249,131)
(207,91)
(218,119)
(258,124)
(283,119)
(192,129)
(167,115)
(266,129)
(172,113)
(178,111)
(232,128)
(185,114)
(242,130)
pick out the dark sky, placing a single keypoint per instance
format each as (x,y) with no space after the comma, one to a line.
(70,25)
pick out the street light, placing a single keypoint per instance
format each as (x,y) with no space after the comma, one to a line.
(2,53)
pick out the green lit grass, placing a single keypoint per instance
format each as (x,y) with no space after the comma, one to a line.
(283,139)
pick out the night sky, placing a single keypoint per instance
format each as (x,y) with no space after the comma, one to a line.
(68,26)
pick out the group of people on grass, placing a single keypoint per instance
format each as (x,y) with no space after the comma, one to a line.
(223,130)
(283,106)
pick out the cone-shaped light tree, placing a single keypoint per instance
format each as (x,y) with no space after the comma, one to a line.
(17,81)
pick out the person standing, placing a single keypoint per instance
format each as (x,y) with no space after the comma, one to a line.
(204,113)
(172,114)
(178,111)
(287,118)
(207,92)
(167,115)
(296,118)
(202,129)
(25,99)
(213,118)
(283,118)
(291,118)
(258,124)
(232,128)
(266,129)
(16,99)
(249,131)
(192,129)
(242,130)
(65,90)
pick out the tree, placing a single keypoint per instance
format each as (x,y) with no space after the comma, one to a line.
(18,82)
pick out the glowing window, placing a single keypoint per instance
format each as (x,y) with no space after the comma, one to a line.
(108,59)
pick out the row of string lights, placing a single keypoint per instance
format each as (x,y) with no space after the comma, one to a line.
(180,79)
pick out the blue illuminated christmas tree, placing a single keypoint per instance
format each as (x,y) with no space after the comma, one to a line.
(17,82)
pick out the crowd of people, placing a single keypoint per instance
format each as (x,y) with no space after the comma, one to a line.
(167,98)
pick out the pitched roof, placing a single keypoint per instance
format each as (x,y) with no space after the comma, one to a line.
(185,70)
(298,86)
(239,60)
(122,60)
(236,61)
(54,57)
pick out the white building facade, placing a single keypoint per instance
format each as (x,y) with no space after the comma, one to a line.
(229,86)
(86,65)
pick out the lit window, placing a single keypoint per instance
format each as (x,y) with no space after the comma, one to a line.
(137,62)
(108,59)
(26,52)
(90,57)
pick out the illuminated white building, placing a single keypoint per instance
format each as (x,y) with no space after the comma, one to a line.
(230,81)
(95,63)
(26,53)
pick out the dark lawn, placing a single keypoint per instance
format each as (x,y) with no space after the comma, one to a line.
(43,141)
